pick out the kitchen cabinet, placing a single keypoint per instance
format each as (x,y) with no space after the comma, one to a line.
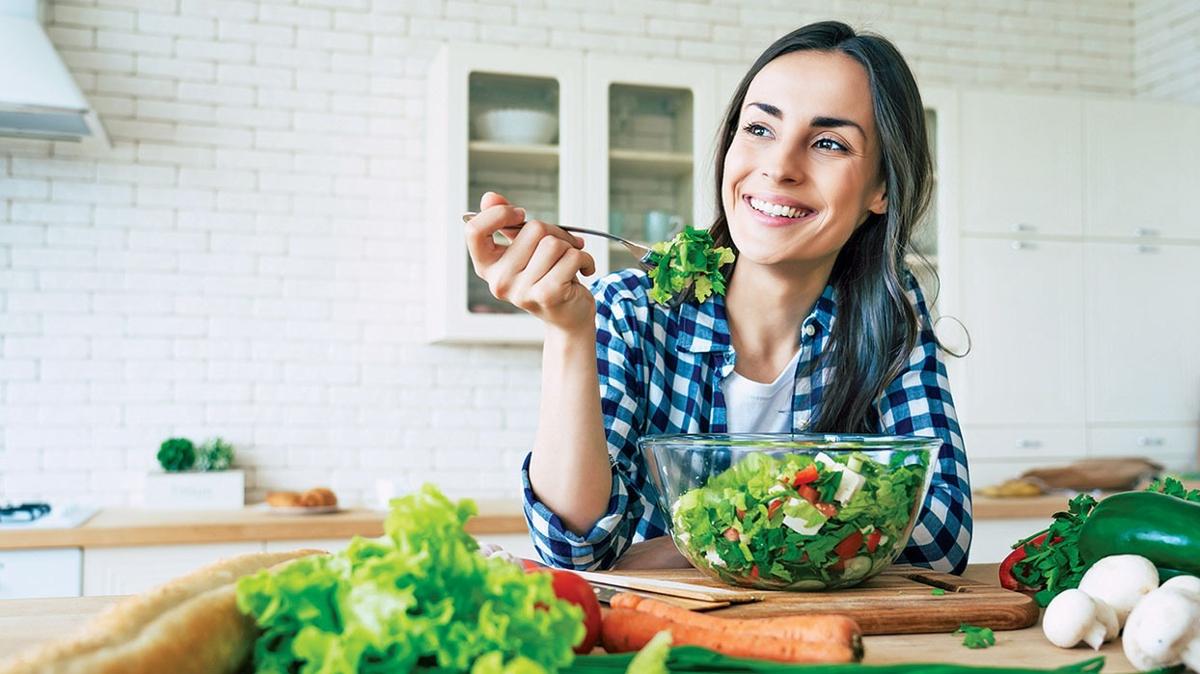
(1143,316)
(129,570)
(632,139)
(1175,447)
(48,572)
(1142,169)
(1022,305)
(1022,164)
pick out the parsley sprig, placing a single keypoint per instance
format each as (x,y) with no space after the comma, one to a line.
(1054,564)
(976,637)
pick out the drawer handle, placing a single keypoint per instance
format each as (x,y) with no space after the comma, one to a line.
(1023,227)
(1145,231)
(1028,443)
(1147,441)
(1022,245)
(1143,248)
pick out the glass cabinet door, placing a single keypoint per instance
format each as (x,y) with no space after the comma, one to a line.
(650,165)
(656,122)
(513,150)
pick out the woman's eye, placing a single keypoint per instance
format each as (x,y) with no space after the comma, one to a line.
(756,129)
(826,143)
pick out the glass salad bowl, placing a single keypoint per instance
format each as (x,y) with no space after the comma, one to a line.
(790,511)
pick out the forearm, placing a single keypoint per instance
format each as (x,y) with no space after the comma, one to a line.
(569,469)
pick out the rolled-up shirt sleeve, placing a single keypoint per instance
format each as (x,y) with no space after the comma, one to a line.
(630,516)
(918,402)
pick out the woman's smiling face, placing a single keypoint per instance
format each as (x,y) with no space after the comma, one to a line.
(803,170)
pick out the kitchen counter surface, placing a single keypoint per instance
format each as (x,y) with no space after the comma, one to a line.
(142,526)
(27,621)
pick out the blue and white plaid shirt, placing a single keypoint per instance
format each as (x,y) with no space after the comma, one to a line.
(659,373)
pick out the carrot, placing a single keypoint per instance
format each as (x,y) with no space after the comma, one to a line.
(625,630)
(837,629)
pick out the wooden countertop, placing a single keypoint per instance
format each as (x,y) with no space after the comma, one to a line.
(27,621)
(140,526)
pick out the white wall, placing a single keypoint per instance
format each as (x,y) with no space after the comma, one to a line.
(247,260)
(1166,56)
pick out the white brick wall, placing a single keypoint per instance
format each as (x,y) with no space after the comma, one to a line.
(247,260)
(1166,56)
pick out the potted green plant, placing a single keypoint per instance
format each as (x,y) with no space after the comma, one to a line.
(196,477)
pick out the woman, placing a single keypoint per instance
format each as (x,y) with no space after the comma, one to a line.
(823,170)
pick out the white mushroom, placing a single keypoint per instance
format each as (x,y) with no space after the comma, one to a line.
(1186,583)
(1074,616)
(1164,628)
(1120,581)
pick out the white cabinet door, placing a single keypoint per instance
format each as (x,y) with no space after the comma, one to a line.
(1021,305)
(49,572)
(1143,318)
(1026,443)
(992,540)
(1022,164)
(1176,448)
(130,570)
(1142,169)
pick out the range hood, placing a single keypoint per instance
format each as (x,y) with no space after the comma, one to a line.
(38,97)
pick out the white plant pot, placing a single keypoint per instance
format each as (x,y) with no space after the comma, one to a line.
(196,490)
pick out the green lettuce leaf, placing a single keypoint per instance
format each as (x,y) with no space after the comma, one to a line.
(419,598)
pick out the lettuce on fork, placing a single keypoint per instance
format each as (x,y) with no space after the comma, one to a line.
(689,259)
(419,598)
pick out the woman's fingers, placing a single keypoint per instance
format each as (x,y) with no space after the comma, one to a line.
(479,230)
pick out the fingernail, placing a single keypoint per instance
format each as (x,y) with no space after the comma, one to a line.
(521,212)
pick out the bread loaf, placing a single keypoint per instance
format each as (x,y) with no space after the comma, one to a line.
(190,624)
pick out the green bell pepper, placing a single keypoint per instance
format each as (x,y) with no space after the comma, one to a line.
(1161,528)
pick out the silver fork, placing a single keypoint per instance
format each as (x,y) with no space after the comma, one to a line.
(640,252)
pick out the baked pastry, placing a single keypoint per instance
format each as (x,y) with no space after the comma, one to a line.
(284,499)
(189,625)
(318,497)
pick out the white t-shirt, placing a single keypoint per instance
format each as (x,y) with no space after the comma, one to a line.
(754,407)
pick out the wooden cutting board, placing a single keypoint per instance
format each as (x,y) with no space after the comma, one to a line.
(897,601)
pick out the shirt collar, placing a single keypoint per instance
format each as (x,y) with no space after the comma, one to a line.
(703,327)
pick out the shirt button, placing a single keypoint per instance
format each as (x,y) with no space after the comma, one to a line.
(810,329)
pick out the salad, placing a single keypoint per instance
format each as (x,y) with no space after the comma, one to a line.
(806,522)
(689,259)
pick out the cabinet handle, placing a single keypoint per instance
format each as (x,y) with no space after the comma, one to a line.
(1028,443)
(1145,231)
(1023,227)
(1147,441)
(1144,249)
(1022,245)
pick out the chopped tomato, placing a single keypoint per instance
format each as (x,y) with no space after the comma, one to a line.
(573,588)
(839,565)
(873,540)
(826,509)
(774,507)
(808,494)
(805,476)
(849,545)
(741,514)
(754,572)
(731,534)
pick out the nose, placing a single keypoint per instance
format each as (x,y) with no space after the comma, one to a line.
(784,164)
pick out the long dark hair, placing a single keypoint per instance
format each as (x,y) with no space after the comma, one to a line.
(876,326)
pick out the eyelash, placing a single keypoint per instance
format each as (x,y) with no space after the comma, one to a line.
(751,127)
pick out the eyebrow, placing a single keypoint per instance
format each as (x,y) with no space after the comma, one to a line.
(820,122)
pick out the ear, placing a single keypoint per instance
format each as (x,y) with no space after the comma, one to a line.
(878,203)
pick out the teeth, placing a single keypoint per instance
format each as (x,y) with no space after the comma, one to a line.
(776,209)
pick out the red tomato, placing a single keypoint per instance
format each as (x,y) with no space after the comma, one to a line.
(805,476)
(731,534)
(774,507)
(849,545)
(826,509)
(808,494)
(571,587)
(754,572)
(873,540)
